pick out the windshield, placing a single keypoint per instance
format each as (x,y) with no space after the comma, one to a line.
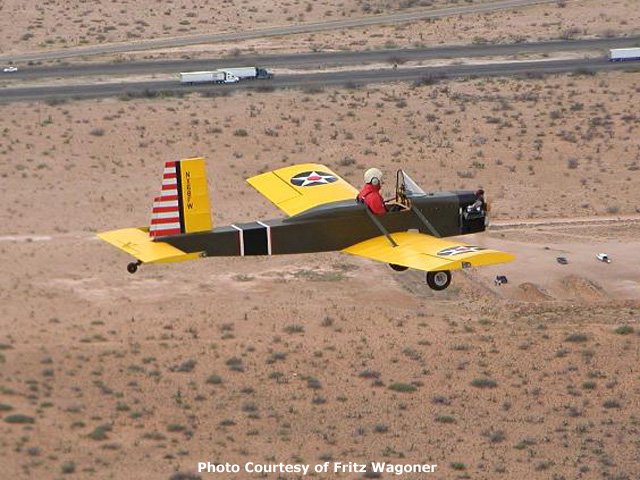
(407,186)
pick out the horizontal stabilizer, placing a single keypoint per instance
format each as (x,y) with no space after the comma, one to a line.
(427,253)
(137,243)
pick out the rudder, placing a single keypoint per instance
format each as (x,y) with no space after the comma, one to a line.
(183,204)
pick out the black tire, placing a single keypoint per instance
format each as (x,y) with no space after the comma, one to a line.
(439,280)
(132,267)
(398,268)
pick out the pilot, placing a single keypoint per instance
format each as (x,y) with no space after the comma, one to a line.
(370,193)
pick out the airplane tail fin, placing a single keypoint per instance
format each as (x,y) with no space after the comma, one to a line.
(183,204)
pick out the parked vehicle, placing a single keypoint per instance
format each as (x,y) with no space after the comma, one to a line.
(214,76)
(624,54)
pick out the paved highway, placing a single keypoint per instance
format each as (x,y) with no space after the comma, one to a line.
(317,80)
(410,16)
(318,59)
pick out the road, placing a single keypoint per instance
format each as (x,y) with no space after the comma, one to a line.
(319,59)
(315,80)
(152,44)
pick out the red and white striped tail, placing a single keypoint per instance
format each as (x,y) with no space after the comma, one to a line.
(166,215)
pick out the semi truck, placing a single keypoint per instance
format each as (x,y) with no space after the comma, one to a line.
(250,73)
(214,76)
(624,54)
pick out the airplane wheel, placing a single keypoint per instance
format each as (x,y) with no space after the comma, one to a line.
(132,267)
(439,280)
(398,268)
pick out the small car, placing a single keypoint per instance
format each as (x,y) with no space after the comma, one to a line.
(11,69)
(562,260)
(603,257)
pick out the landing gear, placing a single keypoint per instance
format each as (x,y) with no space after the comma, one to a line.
(133,266)
(398,268)
(439,280)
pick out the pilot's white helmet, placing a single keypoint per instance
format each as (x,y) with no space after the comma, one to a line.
(373,176)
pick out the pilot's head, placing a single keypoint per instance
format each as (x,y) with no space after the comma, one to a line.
(479,193)
(373,176)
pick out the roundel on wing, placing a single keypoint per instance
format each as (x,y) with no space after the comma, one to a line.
(458,250)
(311,179)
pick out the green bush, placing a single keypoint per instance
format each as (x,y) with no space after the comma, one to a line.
(402,387)
(19,418)
(484,383)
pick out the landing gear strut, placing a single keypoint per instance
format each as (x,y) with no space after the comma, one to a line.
(133,266)
(439,280)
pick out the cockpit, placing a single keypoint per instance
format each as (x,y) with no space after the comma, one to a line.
(406,190)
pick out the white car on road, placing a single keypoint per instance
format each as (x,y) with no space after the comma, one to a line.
(10,69)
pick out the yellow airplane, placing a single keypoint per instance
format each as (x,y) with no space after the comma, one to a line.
(322,215)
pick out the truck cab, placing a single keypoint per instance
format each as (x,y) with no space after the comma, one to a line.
(230,77)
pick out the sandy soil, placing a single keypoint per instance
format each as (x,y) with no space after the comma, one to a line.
(29,25)
(25,27)
(324,357)
(578,19)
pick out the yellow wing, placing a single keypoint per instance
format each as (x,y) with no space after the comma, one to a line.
(137,243)
(424,252)
(301,187)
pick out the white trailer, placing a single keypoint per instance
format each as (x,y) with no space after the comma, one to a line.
(214,76)
(624,54)
(249,72)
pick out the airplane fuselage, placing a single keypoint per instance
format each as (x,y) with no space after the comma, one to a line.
(332,227)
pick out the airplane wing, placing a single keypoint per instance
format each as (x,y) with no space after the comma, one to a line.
(301,187)
(424,252)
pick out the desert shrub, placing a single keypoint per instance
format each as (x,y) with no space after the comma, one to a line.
(624,330)
(380,428)
(484,382)
(314,383)
(100,432)
(495,436)
(611,404)
(369,374)
(186,366)
(445,419)
(185,476)
(294,328)
(402,387)
(577,338)
(19,418)
(235,364)
(346,161)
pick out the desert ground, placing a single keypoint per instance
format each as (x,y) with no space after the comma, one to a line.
(33,26)
(327,357)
